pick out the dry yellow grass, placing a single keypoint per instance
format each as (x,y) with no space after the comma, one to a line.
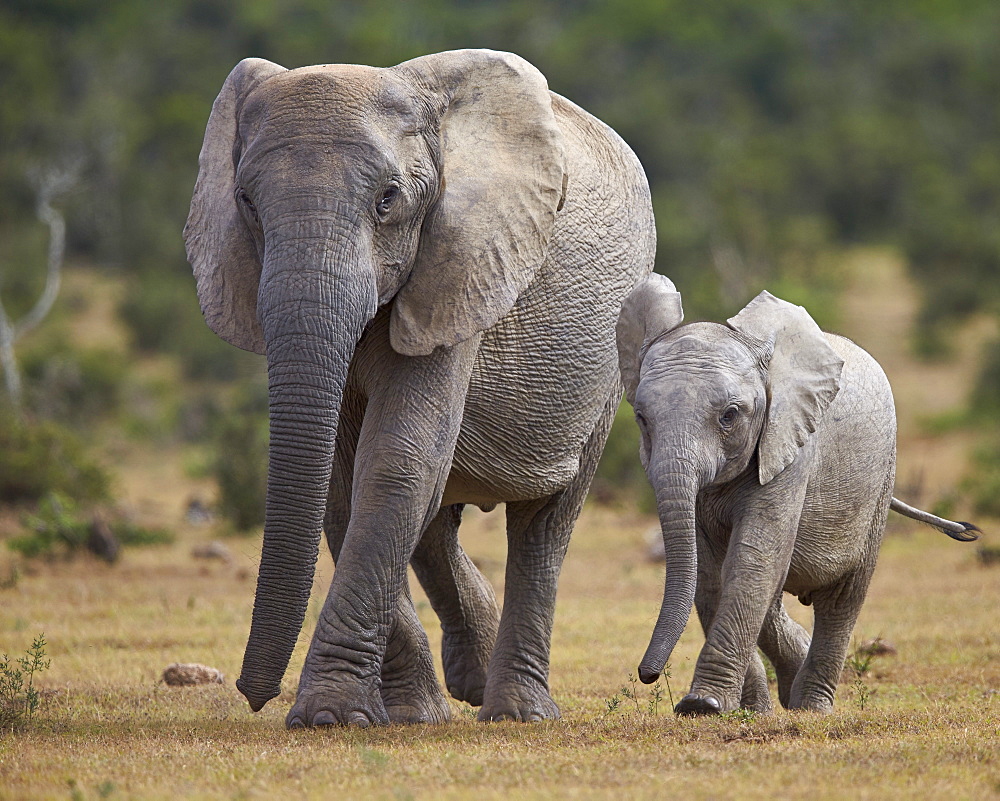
(930,727)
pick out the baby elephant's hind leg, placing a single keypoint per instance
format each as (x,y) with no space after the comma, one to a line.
(785,643)
(836,610)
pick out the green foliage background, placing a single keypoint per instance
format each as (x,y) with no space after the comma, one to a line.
(772,132)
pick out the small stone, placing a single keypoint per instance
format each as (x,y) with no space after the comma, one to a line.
(212,550)
(654,545)
(187,674)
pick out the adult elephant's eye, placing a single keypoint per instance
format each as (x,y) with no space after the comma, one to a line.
(244,200)
(729,416)
(389,195)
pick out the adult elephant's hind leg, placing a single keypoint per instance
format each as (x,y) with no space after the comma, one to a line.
(410,689)
(464,602)
(537,537)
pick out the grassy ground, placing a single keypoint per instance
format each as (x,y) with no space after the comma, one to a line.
(924,723)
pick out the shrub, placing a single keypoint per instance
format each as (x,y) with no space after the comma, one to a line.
(163,316)
(60,527)
(983,480)
(19,700)
(986,393)
(44,457)
(240,460)
(74,386)
(55,526)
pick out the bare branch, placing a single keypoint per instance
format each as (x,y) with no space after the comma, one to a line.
(51,183)
(12,376)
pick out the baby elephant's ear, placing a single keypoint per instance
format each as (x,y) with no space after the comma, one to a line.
(652,308)
(803,377)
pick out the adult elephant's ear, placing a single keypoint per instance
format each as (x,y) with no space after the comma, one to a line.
(502,182)
(219,247)
(651,309)
(803,377)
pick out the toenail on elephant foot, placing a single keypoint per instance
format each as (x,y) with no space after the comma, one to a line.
(315,711)
(409,714)
(518,717)
(692,705)
(532,709)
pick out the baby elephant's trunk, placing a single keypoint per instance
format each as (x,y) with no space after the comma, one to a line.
(675,500)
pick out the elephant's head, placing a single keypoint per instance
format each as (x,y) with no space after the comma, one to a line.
(326,192)
(711,400)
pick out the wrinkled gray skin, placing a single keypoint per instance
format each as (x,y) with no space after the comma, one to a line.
(432,257)
(771,447)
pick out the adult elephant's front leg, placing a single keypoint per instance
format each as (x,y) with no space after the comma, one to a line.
(410,690)
(538,534)
(404,454)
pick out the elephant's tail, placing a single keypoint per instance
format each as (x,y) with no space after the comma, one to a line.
(963,532)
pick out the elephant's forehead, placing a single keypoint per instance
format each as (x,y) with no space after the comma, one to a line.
(697,343)
(338,89)
(712,367)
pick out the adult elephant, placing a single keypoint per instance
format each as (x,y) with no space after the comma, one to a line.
(432,257)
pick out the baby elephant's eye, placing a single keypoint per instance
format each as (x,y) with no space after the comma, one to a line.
(729,416)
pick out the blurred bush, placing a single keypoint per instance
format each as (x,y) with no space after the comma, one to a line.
(982,482)
(162,315)
(74,386)
(239,464)
(43,457)
(60,527)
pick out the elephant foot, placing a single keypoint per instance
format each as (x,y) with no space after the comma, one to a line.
(424,703)
(407,714)
(812,694)
(812,703)
(525,702)
(758,702)
(756,693)
(318,707)
(465,668)
(692,705)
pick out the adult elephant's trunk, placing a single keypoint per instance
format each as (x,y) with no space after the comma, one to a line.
(676,494)
(314,302)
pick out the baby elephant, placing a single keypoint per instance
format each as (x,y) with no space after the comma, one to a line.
(772,449)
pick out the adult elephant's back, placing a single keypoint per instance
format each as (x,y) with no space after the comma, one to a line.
(546,371)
